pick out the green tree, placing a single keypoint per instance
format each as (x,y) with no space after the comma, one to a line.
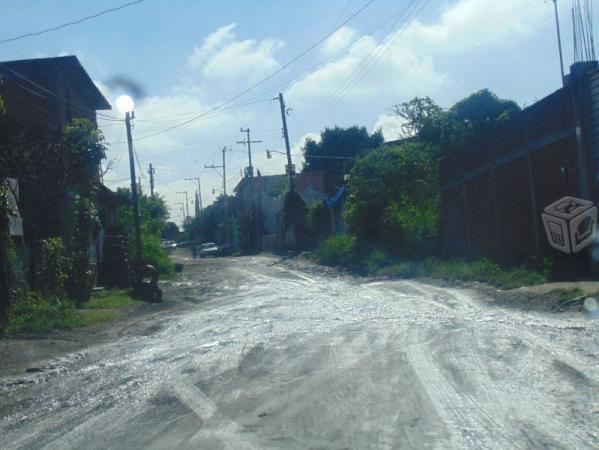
(154,215)
(171,231)
(84,146)
(423,119)
(326,155)
(209,225)
(459,127)
(483,107)
(394,198)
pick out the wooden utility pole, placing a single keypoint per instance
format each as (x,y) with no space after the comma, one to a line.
(224,167)
(186,201)
(289,168)
(151,171)
(134,194)
(199,190)
(249,142)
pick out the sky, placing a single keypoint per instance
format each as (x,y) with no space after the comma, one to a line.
(337,62)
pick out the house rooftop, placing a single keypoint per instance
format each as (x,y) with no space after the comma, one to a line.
(37,74)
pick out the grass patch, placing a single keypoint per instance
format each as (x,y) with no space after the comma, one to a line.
(32,312)
(484,270)
(344,250)
(110,299)
(566,294)
(337,250)
(93,316)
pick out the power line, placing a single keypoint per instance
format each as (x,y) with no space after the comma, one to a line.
(265,79)
(143,175)
(68,24)
(365,66)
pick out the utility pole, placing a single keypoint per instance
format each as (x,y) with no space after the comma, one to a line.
(151,171)
(134,196)
(249,142)
(197,205)
(224,167)
(186,201)
(559,41)
(289,169)
(199,190)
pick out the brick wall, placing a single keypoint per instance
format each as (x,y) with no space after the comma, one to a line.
(493,193)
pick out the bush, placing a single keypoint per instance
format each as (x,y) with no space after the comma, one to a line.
(394,200)
(51,273)
(338,250)
(375,260)
(156,256)
(30,311)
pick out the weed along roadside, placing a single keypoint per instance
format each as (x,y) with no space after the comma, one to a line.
(34,313)
(516,287)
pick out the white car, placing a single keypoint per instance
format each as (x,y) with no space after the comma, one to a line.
(208,249)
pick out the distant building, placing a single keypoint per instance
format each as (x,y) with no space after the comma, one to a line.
(260,201)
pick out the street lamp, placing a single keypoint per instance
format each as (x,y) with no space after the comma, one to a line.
(126,106)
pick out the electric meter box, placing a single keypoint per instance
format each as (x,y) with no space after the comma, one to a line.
(570,224)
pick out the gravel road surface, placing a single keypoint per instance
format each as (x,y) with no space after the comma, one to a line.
(259,352)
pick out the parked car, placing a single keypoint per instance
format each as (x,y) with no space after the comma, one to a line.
(168,245)
(208,249)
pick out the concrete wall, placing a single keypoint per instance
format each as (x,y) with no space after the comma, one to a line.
(493,193)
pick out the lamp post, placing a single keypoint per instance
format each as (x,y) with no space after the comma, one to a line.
(126,106)
(559,40)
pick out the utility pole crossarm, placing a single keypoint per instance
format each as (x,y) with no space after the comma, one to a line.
(199,190)
(249,143)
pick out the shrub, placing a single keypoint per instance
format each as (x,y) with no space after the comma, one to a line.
(154,255)
(394,198)
(375,260)
(51,273)
(30,311)
(339,250)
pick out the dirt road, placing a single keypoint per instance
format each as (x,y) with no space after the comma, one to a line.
(263,353)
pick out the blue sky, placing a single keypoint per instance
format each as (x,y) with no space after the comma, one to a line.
(190,56)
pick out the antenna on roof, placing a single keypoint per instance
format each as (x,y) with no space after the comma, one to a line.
(582,21)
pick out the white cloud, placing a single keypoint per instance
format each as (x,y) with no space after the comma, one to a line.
(339,40)
(403,63)
(390,125)
(407,65)
(468,24)
(221,56)
(372,68)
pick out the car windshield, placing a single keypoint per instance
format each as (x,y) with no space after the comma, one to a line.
(261,224)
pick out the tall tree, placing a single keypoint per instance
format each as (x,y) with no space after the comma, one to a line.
(334,152)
